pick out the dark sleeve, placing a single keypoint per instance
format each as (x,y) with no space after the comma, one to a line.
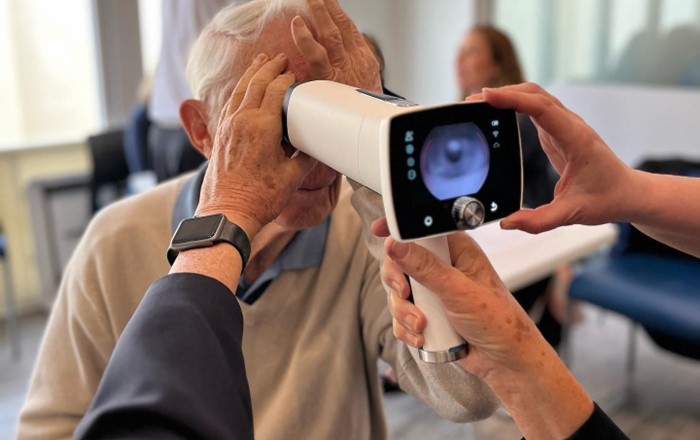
(177,370)
(599,426)
(539,175)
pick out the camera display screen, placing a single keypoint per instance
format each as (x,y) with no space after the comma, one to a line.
(454,160)
(440,154)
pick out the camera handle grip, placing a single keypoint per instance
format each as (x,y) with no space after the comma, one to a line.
(442,342)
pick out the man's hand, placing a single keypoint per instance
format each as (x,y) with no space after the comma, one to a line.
(339,52)
(594,185)
(249,178)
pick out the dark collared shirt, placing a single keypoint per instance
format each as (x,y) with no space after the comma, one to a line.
(305,250)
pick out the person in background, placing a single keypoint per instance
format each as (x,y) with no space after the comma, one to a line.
(170,150)
(487,58)
(315,310)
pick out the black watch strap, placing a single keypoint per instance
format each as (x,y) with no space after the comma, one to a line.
(225,231)
(235,235)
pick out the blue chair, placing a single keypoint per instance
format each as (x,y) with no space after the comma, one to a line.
(12,327)
(659,293)
(654,286)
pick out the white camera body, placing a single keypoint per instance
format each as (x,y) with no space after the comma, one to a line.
(439,169)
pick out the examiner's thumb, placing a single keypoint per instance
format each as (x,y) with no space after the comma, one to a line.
(534,221)
(416,262)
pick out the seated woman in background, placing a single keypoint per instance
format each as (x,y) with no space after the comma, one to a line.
(487,58)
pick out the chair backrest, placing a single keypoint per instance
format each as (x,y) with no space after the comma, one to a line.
(109,167)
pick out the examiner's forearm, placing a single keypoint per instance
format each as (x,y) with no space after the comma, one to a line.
(543,397)
(667,208)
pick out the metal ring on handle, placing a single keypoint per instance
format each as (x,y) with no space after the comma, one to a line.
(441,357)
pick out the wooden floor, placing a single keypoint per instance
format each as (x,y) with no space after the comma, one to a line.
(666,403)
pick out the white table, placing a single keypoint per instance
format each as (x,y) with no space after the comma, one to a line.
(521,258)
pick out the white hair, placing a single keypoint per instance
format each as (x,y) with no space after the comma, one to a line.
(217,51)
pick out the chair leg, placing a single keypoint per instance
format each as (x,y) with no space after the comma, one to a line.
(631,359)
(565,346)
(11,324)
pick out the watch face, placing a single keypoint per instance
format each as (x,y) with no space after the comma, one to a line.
(197,229)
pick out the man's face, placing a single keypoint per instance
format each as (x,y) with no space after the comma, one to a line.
(318,194)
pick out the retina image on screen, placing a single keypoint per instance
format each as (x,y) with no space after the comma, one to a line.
(455,160)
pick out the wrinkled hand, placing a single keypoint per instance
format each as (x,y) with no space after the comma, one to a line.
(479,306)
(339,52)
(249,177)
(594,182)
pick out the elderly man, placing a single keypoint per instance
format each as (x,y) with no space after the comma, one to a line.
(314,309)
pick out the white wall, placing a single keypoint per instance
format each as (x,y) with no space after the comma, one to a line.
(10,120)
(419,39)
(48,63)
(638,122)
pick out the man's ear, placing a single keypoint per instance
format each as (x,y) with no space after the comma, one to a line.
(195,121)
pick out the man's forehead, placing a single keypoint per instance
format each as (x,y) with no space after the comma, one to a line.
(275,38)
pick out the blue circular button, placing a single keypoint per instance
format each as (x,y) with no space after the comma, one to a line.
(411,162)
(410,149)
(412,174)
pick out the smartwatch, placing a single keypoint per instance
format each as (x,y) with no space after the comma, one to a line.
(201,232)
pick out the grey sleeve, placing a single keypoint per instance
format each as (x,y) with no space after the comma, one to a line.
(177,370)
(449,390)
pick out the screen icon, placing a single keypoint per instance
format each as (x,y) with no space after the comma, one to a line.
(495,123)
(411,162)
(412,174)
(496,133)
(428,221)
(494,206)
(496,145)
(409,136)
(410,149)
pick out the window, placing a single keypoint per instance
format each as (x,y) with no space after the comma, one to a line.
(636,41)
(49,80)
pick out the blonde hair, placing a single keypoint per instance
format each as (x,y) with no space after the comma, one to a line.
(218,50)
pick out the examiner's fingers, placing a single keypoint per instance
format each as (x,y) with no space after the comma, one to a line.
(234,101)
(328,33)
(447,282)
(313,52)
(547,112)
(393,277)
(261,79)
(407,313)
(405,335)
(380,227)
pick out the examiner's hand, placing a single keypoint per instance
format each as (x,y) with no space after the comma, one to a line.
(594,185)
(482,310)
(249,177)
(505,348)
(338,52)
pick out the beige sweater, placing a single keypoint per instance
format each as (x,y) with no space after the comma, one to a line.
(311,342)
